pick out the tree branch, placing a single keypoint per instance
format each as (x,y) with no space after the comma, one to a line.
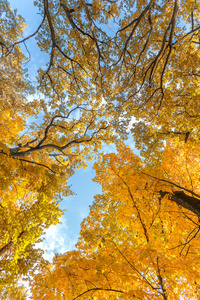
(98,289)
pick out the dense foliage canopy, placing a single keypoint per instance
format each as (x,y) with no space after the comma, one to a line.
(115,67)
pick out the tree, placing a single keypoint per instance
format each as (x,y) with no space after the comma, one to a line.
(143,70)
(137,242)
(145,67)
(36,160)
(22,226)
(128,66)
(17,292)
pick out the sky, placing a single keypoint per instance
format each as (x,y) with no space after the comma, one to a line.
(64,236)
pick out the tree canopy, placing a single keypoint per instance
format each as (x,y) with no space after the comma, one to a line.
(114,68)
(138,242)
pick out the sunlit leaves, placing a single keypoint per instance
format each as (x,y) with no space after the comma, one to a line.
(134,243)
(110,63)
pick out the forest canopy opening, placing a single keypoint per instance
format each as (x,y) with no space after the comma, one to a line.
(111,68)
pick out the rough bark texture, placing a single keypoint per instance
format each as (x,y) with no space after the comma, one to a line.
(189,202)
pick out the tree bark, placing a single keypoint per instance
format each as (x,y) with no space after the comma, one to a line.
(189,202)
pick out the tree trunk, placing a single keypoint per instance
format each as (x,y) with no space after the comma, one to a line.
(184,200)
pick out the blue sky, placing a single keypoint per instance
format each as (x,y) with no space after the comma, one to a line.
(62,237)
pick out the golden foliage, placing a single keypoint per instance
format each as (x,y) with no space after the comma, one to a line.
(113,66)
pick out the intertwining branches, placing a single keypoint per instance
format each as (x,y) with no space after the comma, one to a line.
(63,132)
(139,53)
(110,62)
